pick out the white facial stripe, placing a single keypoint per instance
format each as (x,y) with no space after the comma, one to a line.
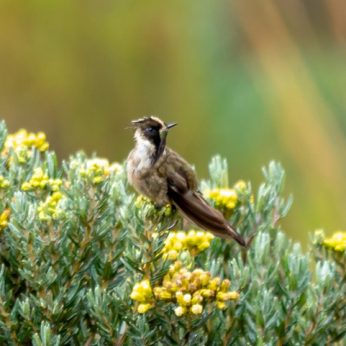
(159,121)
(156,119)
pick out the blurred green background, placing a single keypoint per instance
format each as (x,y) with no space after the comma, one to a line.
(251,80)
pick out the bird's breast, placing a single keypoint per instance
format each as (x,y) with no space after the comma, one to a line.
(141,158)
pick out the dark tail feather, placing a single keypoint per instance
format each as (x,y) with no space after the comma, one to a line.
(193,206)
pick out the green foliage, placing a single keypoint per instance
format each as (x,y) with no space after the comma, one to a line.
(70,259)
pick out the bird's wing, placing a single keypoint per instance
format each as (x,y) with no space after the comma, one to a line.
(195,208)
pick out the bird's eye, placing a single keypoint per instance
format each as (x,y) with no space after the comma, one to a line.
(149,130)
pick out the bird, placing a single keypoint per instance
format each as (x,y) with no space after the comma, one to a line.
(164,177)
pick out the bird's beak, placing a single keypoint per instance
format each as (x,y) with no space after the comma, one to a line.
(164,131)
(135,123)
(170,125)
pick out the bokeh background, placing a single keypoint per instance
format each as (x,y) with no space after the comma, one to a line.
(252,80)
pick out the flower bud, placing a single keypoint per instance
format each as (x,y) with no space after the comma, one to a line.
(214,284)
(196,309)
(196,299)
(225,285)
(180,311)
(143,308)
(220,305)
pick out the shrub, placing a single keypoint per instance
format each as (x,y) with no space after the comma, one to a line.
(84,261)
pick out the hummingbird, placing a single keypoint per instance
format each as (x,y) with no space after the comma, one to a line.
(162,175)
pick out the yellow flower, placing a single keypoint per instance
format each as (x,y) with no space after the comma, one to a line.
(40,180)
(214,284)
(4,183)
(172,255)
(144,202)
(192,241)
(183,299)
(225,296)
(180,311)
(240,185)
(192,290)
(97,169)
(175,267)
(337,241)
(161,293)
(223,198)
(207,293)
(23,140)
(221,305)
(204,277)
(49,209)
(55,184)
(233,295)
(4,217)
(196,309)
(26,186)
(225,285)
(142,292)
(143,308)
(197,298)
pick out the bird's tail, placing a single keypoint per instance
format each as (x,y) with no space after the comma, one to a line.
(195,208)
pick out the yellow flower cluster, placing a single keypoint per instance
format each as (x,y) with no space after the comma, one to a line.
(40,180)
(191,291)
(4,183)
(223,198)
(23,140)
(98,169)
(240,186)
(49,210)
(143,293)
(142,201)
(4,217)
(192,241)
(226,199)
(337,241)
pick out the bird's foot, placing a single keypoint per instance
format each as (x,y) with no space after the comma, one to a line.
(172,225)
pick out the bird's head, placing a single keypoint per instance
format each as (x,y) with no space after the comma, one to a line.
(152,131)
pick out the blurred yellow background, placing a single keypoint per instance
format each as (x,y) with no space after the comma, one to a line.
(251,80)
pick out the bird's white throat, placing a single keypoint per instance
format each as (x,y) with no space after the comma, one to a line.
(143,152)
